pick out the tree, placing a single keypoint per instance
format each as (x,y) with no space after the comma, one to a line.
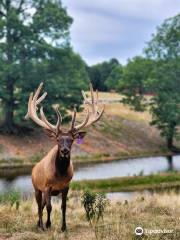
(99,73)
(165,43)
(115,76)
(133,82)
(64,77)
(165,81)
(165,104)
(34,35)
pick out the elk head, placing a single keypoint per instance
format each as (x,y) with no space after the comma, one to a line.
(64,138)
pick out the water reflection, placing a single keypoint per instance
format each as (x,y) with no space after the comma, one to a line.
(170,163)
(122,196)
(130,167)
(121,168)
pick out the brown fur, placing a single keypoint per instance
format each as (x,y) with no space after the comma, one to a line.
(54,172)
(43,174)
(48,183)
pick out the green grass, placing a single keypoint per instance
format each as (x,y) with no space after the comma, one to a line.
(129,183)
(11,197)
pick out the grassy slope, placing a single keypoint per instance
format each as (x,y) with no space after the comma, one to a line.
(121,133)
(121,218)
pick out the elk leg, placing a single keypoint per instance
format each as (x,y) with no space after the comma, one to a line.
(63,208)
(38,195)
(43,202)
(48,207)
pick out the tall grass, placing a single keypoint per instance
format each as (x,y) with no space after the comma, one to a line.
(11,197)
(158,211)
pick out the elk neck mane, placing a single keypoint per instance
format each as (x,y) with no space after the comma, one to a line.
(61,164)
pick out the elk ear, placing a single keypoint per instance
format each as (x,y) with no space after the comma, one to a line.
(79,135)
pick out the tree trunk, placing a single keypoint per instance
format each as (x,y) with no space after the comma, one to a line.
(9,107)
(9,104)
(170,138)
(170,142)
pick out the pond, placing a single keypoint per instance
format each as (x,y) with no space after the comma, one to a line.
(120,168)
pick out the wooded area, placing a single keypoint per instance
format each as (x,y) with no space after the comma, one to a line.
(35,46)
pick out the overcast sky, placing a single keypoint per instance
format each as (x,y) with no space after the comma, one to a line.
(104,29)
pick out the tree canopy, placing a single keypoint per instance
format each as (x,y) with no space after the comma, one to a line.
(34,47)
(100,74)
(165,43)
(133,82)
(158,73)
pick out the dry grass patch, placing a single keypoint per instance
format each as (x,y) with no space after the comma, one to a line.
(120,219)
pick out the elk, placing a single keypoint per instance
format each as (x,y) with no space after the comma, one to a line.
(52,175)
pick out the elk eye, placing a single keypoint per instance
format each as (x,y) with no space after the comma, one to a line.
(70,141)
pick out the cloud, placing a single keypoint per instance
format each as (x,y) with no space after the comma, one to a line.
(118,28)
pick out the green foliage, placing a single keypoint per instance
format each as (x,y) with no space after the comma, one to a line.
(158,73)
(64,77)
(165,79)
(133,82)
(165,43)
(115,76)
(11,197)
(35,47)
(94,205)
(165,103)
(101,74)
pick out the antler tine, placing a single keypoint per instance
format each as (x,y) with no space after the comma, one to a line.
(39,100)
(100,114)
(93,104)
(86,101)
(83,124)
(43,117)
(95,114)
(33,102)
(35,98)
(92,97)
(29,106)
(59,121)
(73,119)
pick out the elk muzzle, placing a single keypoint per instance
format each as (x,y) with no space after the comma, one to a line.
(65,152)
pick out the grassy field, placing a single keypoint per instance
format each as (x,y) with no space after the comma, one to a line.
(122,133)
(152,213)
(134,183)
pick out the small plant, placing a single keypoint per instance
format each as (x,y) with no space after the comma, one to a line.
(94,205)
(11,197)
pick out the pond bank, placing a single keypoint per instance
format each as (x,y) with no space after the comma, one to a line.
(81,161)
(134,183)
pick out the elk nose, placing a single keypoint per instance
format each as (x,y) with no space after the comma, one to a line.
(65,151)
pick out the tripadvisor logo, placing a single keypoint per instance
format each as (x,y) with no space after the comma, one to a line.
(139,231)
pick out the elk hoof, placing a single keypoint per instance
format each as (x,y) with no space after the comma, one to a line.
(63,228)
(40,225)
(48,224)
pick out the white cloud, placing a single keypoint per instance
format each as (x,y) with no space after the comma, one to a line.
(116,28)
(152,9)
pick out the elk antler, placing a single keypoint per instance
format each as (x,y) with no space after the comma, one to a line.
(74,128)
(93,113)
(33,103)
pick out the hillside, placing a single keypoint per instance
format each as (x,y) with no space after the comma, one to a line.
(122,132)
